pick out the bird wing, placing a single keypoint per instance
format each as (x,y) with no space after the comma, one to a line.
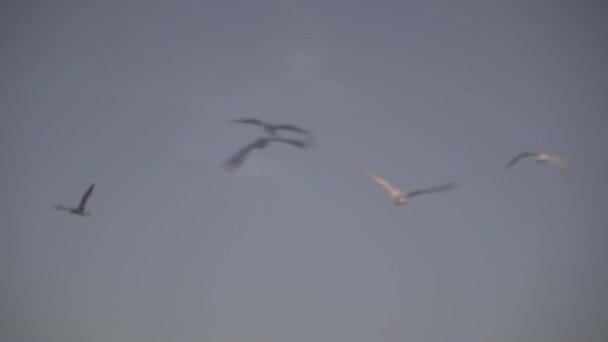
(250,121)
(384,184)
(518,157)
(296,143)
(61,207)
(238,158)
(291,128)
(440,188)
(85,197)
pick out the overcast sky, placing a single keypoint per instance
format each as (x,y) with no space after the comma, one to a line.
(298,245)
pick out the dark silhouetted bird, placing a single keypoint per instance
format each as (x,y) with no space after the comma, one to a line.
(400,197)
(236,160)
(541,158)
(81,209)
(272,129)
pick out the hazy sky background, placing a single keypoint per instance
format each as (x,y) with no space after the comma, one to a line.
(300,245)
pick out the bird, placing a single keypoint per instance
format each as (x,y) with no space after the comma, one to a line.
(540,157)
(81,209)
(400,197)
(272,129)
(237,159)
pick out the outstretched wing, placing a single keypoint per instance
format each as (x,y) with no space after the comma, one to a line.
(441,188)
(238,158)
(518,157)
(392,190)
(250,121)
(85,197)
(61,207)
(296,143)
(291,128)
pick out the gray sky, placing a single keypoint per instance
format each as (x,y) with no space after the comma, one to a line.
(300,245)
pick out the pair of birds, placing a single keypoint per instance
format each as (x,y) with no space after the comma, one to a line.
(238,158)
(232,163)
(400,197)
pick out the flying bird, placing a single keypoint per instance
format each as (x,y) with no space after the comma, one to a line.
(539,157)
(81,209)
(399,197)
(237,159)
(272,129)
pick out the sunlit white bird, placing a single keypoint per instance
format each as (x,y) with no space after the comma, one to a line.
(81,209)
(399,197)
(540,157)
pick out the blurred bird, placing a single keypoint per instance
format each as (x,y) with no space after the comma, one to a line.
(539,157)
(80,210)
(399,197)
(272,129)
(236,160)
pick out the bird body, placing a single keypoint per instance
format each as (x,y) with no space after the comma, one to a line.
(539,157)
(75,211)
(401,197)
(81,209)
(272,129)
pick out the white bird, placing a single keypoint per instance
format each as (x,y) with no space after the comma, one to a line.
(80,210)
(540,157)
(400,197)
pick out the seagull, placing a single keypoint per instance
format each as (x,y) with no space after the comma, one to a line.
(80,211)
(539,157)
(272,129)
(400,197)
(236,160)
